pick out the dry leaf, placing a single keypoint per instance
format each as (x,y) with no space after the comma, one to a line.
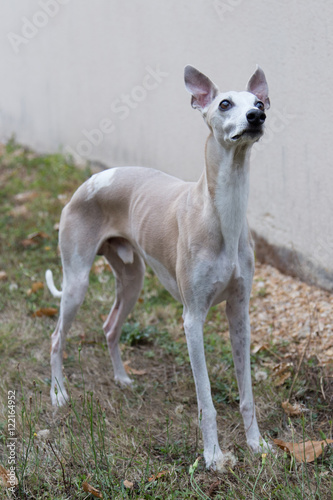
(38,235)
(45,311)
(158,476)
(292,410)
(306,451)
(8,478)
(34,238)
(281,379)
(3,275)
(329,353)
(128,484)
(28,243)
(133,371)
(281,368)
(38,285)
(259,347)
(90,489)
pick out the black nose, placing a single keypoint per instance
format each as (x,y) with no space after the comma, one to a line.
(255,117)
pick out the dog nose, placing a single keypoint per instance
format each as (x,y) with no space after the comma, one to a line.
(255,117)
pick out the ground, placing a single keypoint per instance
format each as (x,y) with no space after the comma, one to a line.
(142,442)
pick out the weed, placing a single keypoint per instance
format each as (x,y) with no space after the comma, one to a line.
(133,334)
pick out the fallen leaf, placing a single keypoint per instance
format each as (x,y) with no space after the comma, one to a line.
(133,371)
(3,275)
(281,368)
(38,235)
(292,410)
(38,285)
(259,347)
(158,476)
(306,451)
(128,484)
(8,477)
(329,353)
(34,238)
(45,311)
(28,243)
(281,379)
(90,489)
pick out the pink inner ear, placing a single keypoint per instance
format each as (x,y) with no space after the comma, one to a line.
(261,92)
(200,86)
(202,99)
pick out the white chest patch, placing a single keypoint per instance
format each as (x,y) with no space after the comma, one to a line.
(99,181)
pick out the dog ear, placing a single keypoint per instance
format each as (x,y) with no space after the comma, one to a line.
(202,89)
(257,85)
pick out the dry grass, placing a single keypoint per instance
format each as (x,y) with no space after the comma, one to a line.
(116,440)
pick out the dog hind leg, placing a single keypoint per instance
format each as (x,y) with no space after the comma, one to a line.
(128,268)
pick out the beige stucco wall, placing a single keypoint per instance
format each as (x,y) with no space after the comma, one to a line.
(104,80)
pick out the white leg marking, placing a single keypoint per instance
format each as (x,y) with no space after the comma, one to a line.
(207,414)
(240,333)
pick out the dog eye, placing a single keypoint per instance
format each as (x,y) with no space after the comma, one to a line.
(225,104)
(260,105)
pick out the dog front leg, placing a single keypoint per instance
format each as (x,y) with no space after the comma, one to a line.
(193,325)
(240,335)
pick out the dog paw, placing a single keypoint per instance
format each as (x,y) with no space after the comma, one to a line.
(260,446)
(123,381)
(222,462)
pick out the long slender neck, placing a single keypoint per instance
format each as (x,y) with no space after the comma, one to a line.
(226,181)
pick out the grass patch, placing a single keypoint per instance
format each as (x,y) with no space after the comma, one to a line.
(142,442)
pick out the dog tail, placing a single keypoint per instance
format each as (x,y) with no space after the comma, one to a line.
(50,284)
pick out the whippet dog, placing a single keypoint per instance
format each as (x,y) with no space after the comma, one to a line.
(194,235)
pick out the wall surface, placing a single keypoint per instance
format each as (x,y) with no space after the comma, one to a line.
(103,80)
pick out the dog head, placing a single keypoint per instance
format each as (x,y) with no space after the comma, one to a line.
(233,117)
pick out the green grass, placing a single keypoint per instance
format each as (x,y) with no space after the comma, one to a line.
(113,438)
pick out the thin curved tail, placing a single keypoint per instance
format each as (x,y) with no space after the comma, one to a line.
(50,283)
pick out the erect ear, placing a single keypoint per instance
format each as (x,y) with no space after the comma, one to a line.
(203,90)
(257,85)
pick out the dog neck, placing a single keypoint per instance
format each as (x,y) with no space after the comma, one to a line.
(225,181)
